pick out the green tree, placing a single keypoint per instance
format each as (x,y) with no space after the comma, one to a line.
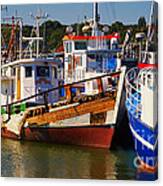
(53,31)
(141,22)
(117,26)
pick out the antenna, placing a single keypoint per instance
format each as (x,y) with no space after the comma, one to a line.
(77,29)
(38,17)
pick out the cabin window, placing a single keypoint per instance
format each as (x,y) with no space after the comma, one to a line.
(43,71)
(80,45)
(94,63)
(54,72)
(4,71)
(28,72)
(13,71)
(91,57)
(68,47)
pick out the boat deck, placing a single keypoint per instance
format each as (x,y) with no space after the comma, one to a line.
(69,111)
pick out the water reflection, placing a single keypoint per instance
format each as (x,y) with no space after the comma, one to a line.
(32,159)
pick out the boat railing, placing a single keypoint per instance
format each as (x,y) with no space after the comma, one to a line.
(98,43)
(76,75)
(133,93)
(70,96)
(148,78)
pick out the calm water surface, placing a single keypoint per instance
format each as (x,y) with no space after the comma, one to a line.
(33,159)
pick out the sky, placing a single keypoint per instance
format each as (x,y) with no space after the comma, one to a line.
(69,13)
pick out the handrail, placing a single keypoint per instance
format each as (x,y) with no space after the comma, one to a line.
(134,83)
(133,92)
(128,81)
(61,86)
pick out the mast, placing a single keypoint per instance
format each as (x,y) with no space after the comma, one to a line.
(151,25)
(20,38)
(38,35)
(38,19)
(95,19)
(16,21)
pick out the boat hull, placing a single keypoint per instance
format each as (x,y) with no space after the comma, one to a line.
(93,136)
(9,134)
(146,145)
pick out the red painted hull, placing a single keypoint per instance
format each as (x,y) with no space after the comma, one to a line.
(94,136)
(8,134)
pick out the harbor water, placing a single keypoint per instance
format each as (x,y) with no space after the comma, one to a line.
(42,160)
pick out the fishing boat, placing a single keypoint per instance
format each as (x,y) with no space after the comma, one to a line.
(93,53)
(25,71)
(81,120)
(83,108)
(141,103)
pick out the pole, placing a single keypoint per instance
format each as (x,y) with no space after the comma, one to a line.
(149,26)
(38,18)
(20,39)
(95,19)
(38,34)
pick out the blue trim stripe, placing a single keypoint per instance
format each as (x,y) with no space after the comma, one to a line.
(142,130)
(148,156)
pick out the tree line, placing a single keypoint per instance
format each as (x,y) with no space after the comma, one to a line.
(53,31)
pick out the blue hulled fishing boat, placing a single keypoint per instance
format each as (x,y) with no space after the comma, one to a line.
(141,101)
